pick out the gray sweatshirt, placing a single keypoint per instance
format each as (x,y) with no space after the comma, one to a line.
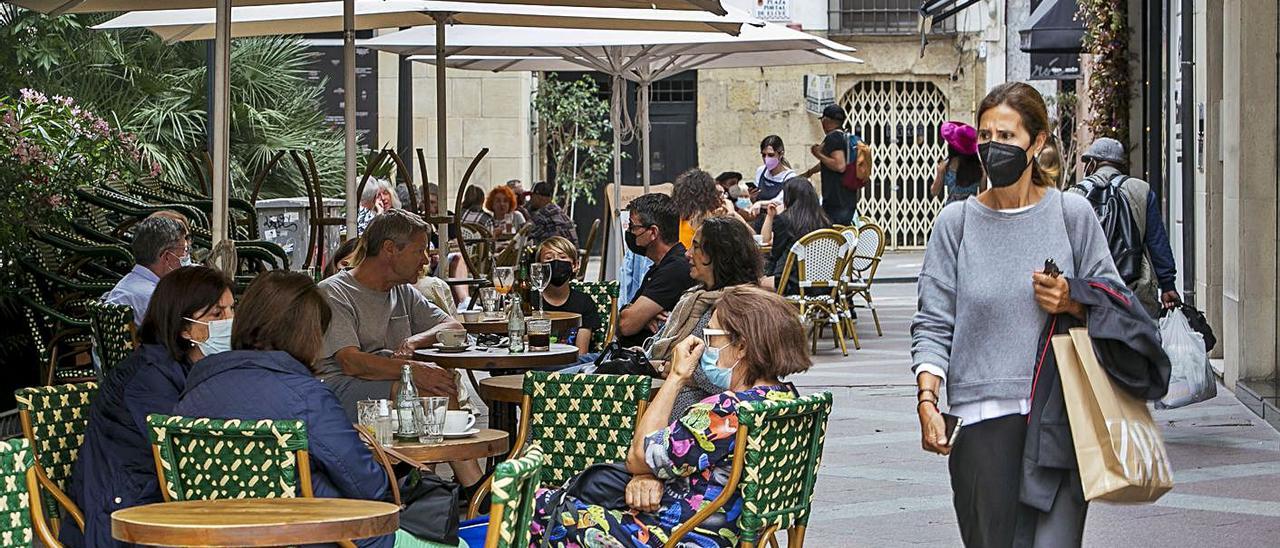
(977,316)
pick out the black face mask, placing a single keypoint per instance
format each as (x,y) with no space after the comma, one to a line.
(561,272)
(1004,163)
(636,248)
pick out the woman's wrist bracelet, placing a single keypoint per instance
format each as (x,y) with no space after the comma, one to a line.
(934,403)
(921,392)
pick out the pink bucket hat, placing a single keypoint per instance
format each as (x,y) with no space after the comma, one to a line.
(960,136)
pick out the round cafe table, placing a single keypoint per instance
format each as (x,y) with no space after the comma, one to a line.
(484,444)
(254,522)
(499,359)
(560,322)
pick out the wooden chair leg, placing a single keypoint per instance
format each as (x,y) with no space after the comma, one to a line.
(853,332)
(795,537)
(840,336)
(875,315)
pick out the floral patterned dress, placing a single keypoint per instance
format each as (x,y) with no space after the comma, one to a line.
(693,458)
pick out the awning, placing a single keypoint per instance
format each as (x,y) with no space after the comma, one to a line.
(934,11)
(1053,28)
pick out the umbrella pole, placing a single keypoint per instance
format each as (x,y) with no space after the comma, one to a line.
(348,114)
(643,114)
(442,144)
(221,125)
(613,262)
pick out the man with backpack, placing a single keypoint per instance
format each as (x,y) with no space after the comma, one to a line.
(840,203)
(1130,217)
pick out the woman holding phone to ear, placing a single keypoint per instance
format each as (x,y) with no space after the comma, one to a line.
(983,301)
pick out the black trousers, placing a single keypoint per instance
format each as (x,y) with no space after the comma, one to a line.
(986,472)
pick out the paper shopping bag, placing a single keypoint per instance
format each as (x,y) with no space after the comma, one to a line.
(1119,448)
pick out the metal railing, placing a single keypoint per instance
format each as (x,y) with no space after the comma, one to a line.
(884,17)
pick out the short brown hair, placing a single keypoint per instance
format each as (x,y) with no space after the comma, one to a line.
(770,328)
(284,311)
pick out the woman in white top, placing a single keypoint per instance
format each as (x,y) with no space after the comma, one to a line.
(770,177)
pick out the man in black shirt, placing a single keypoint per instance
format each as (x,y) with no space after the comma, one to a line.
(654,232)
(840,203)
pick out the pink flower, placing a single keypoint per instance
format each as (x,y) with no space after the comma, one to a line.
(155,169)
(33,96)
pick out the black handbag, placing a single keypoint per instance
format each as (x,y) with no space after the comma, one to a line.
(617,360)
(430,507)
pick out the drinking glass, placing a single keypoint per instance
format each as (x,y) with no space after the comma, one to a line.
(433,410)
(539,331)
(489,301)
(540,276)
(504,278)
(375,417)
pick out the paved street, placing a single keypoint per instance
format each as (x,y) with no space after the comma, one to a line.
(878,488)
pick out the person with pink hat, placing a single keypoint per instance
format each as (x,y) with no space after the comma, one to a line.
(961,173)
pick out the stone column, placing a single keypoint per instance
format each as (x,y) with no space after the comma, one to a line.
(1249,232)
(1208,157)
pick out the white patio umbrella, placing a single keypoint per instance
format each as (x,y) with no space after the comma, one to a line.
(350,15)
(637,56)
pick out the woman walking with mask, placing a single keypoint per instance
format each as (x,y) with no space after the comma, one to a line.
(983,302)
(771,176)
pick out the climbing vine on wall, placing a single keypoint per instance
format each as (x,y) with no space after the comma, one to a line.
(1106,37)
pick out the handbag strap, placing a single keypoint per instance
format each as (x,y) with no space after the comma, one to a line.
(380,455)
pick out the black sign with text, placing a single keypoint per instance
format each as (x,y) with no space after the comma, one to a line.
(327,67)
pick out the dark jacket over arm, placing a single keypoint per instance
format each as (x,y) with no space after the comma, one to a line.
(1158,248)
(1127,343)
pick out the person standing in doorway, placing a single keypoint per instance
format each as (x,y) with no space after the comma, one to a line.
(840,203)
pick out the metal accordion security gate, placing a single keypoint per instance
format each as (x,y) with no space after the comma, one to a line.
(901,121)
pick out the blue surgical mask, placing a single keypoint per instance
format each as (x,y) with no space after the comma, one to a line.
(219,337)
(743,203)
(184,260)
(716,375)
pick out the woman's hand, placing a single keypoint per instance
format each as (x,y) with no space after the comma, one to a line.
(933,430)
(644,493)
(685,358)
(1054,295)
(773,209)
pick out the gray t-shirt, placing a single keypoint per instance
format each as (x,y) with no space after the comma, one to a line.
(977,318)
(371,320)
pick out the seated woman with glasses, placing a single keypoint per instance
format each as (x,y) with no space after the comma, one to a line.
(677,467)
(188,320)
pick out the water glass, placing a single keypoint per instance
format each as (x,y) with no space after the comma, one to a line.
(375,417)
(539,332)
(489,302)
(434,410)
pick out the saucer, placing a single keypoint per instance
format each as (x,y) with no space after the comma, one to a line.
(440,347)
(463,434)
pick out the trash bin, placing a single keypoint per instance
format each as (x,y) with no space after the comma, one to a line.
(285,221)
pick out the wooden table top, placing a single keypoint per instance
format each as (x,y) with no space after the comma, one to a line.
(487,443)
(560,322)
(254,522)
(510,388)
(499,358)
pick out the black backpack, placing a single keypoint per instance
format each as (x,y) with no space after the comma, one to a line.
(1124,238)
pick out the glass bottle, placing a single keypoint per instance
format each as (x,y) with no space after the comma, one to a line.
(515,326)
(406,406)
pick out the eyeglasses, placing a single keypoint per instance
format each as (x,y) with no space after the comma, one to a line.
(708,332)
(632,228)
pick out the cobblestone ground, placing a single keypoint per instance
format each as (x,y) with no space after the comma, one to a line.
(877,488)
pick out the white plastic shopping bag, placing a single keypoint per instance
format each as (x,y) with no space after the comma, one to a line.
(1191,379)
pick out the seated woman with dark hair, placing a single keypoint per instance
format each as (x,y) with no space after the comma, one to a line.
(342,258)
(680,466)
(724,254)
(278,334)
(189,318)
(802,214)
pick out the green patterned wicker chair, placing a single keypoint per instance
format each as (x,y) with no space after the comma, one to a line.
(20,510)
(577,420)
(514,483)
(53,421)
(605,295)
(775,464)
(114,335)
(206,459)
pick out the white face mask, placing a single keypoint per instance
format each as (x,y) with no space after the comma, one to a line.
(219,336)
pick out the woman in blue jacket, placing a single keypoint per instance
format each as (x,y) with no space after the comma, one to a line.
(278,333)
(189,319)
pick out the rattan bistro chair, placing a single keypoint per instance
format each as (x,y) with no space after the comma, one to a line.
(862,267)
(605,296)
(819,258)
(114,334)
(578,421)
(53,420)
(514,484)
(21,513)
(776,455)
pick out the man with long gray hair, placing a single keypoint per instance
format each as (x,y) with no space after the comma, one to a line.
(160,246)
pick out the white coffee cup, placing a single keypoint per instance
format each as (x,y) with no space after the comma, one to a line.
(452,338)
(457,421)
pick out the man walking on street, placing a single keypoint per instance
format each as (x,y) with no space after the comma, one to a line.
(840,203)
(1106,164)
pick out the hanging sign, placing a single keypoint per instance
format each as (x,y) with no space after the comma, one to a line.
(819,91)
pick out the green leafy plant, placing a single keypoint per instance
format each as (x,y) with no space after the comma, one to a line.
(575,120)
(158,92)
(1106,36)
(54,146)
